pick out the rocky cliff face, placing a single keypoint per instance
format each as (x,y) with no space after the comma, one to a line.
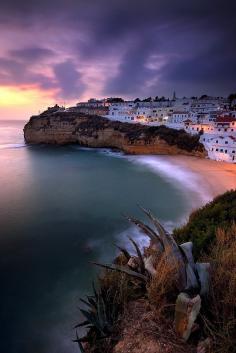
(68,128)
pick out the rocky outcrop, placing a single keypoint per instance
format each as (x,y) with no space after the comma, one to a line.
(95,131)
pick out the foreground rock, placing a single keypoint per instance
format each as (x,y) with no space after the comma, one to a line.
(95,131)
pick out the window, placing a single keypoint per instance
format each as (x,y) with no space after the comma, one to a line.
(221,150)
(233,151)
(217,150)
(225,129)
(216,141)
(225,151)
(226,142)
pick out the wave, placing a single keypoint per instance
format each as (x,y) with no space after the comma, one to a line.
(141,239)
(12,145)
(191,185)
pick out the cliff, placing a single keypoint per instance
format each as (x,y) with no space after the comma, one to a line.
(95,131)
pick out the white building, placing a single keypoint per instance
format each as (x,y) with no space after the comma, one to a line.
(222,148)
(122,111)
(178,117)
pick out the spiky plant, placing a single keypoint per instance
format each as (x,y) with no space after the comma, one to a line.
(192,278)
(100,313)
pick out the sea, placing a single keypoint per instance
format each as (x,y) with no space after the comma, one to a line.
(61,208)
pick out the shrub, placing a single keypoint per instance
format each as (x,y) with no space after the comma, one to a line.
(220,312)
(202,224)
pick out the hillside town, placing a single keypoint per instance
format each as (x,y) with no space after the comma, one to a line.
(214,118)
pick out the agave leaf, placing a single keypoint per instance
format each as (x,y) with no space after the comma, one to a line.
(187,249)
(124,251)
(204,276)
(146,230)
(192,282)
(95,292)
(142,266)
(84,323)
(101,313)
(85,302)
(78,340)
(91,318)
(91,301)
(122,269)
(165,236)
(161,230)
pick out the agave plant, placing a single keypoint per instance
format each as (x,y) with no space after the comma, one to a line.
(193,278)
(100,314)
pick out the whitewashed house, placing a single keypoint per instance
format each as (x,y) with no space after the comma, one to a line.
(222,148)
(122,111)
(178,117)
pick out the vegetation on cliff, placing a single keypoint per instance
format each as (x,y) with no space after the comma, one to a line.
(203,223)
(134,308)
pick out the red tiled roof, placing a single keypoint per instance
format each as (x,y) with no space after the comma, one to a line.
(187,121)
(225,119)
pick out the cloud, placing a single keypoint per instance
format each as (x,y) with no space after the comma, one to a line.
(32,53)
(14,72)
(68,79)
(156,46)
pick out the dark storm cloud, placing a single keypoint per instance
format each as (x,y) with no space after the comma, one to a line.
(195,39)
(13,72)
(32,53)
(68,79)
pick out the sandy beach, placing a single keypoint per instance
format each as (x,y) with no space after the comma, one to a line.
(217,176)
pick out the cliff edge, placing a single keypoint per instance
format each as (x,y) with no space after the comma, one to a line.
(95,131)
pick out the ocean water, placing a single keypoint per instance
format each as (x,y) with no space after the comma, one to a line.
(60,208)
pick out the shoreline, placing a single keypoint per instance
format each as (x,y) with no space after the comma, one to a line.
(218,177)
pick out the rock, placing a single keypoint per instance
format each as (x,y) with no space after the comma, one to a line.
(186,312)
(98,132)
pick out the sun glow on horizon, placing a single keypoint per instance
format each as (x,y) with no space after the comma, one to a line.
(17,102)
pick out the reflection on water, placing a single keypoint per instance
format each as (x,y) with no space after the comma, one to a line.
(59,208)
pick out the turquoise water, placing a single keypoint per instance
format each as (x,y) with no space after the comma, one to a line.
(61,207)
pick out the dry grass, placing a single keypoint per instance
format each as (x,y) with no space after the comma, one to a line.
(220,316)
(162,290)
(142,331)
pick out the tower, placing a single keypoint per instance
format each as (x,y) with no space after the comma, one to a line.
(174,96)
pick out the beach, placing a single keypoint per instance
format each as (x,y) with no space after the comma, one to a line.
(218,177)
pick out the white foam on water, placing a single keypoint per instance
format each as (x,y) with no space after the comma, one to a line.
(109,152)
(141,239)
(189,183)
(12,145)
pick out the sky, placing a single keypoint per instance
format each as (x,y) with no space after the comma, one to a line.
(69,50)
